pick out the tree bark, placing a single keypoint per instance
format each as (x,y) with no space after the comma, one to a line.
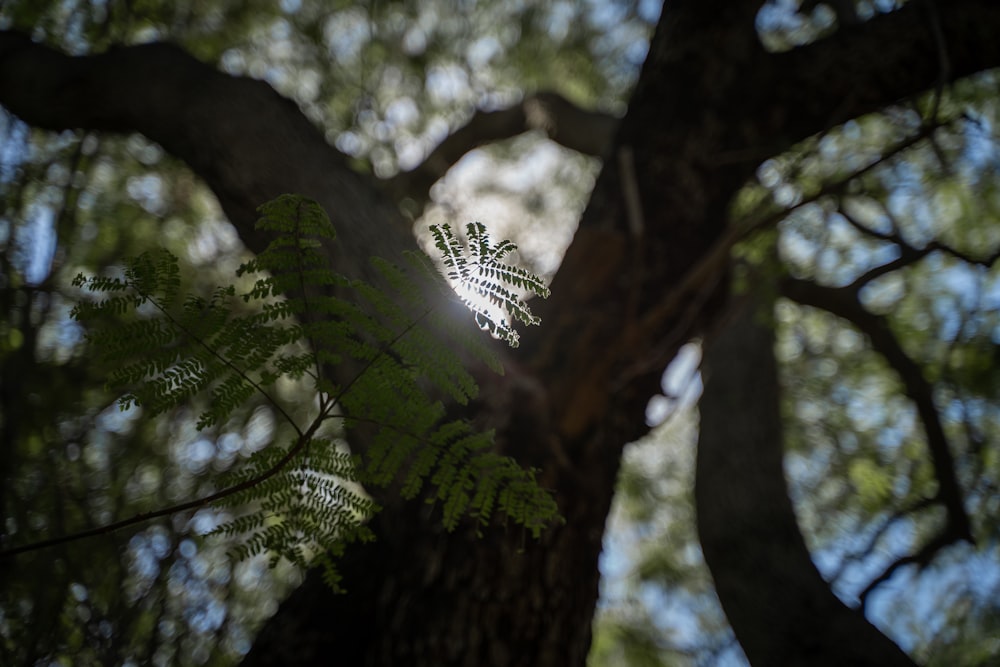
(709,106)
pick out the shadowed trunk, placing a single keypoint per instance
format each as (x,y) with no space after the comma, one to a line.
(746,525)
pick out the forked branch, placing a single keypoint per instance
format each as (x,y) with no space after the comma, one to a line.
(587,132)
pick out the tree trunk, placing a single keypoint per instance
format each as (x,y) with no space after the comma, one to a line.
(747,528)
(635,284)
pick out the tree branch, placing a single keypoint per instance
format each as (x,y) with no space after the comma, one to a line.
(588,132)
(844,302)
(241,137)
(869,547)
(747,527)
(912,45)
(944,538)
(909,254)
(706,273)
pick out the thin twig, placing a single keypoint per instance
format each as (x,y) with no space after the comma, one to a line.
(142,517)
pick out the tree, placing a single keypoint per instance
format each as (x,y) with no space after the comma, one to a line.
(648,269)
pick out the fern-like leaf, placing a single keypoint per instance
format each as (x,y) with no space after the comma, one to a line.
(378,358)
(485,283)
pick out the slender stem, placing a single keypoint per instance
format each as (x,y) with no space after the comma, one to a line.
(301,442)
(304,438)
(215,353)
(371,362)
(305,303)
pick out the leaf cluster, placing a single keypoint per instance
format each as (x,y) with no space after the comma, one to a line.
(380,360)
(485,283)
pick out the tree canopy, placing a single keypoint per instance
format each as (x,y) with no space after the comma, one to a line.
(804,194)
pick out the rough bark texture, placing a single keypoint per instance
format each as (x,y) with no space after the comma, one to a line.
(709,106)
(746,524)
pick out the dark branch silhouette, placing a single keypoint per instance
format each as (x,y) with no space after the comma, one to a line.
(588,132)
(845,302)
